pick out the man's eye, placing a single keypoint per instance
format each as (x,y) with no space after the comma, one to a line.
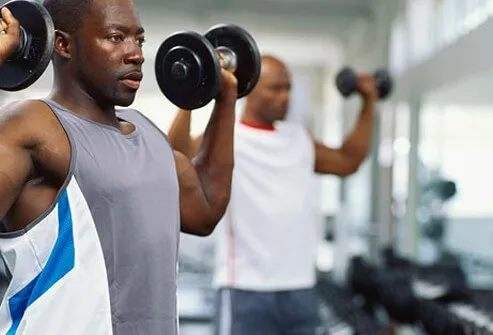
(116,38)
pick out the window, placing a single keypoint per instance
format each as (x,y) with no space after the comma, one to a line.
(420,17)
(456,140)
(398,47)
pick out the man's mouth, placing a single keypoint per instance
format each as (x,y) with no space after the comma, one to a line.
(132,79)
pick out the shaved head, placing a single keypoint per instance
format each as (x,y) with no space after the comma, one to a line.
(269,60)
(269,100)
(67,15)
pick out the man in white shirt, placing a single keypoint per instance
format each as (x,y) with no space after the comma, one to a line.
(266,242)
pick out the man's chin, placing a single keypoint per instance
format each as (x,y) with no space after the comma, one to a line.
(125,101)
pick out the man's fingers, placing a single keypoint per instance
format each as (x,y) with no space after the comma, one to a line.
(7,16)
(10,20)
(365,76)
(3,25)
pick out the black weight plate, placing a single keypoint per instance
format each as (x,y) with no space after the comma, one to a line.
(247,54)
(20,73)
(384,83)
(201,84)
(346,82)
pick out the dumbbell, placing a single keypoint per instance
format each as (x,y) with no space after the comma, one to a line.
(188,65)
(347,82)
(395,294)
(437,320)
(37,41)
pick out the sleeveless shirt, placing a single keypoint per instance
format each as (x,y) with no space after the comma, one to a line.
(103,258)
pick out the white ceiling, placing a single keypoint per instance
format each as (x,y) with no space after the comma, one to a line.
(335,17)
(313,7)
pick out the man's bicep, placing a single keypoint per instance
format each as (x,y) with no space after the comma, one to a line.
(15,169)
(332,161)
(23,127)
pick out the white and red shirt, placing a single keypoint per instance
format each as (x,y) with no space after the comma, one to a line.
(266,240)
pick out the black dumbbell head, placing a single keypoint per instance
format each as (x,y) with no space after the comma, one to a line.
(245,48)
(346,81)
(187,70)
(384,83)
(37,44)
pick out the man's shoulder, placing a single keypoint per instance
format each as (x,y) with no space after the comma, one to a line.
(25,119)
(24,110)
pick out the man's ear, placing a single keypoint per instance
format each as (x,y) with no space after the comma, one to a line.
(64,44)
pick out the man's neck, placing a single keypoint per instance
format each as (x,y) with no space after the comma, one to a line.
(248,118)
(77,100)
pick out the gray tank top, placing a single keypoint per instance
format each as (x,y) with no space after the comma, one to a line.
(131,187)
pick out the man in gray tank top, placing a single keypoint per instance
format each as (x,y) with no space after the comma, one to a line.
(92,200)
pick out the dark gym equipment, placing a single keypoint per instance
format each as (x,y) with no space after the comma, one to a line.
(435,319)
(347,82)
(188,65)
(240,51)
(391,290)
(434,228)
(446,273)
(456,309)
(474,316)
(188,70)
(343,311)
(36,46)
(445,189)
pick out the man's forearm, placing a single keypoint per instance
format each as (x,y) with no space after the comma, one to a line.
(357,144)
(179,132)
(214,162)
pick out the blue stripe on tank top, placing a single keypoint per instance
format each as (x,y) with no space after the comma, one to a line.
(60,262)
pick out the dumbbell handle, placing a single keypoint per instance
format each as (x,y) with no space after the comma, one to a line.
(24,44)
(179,70)
(230,61)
